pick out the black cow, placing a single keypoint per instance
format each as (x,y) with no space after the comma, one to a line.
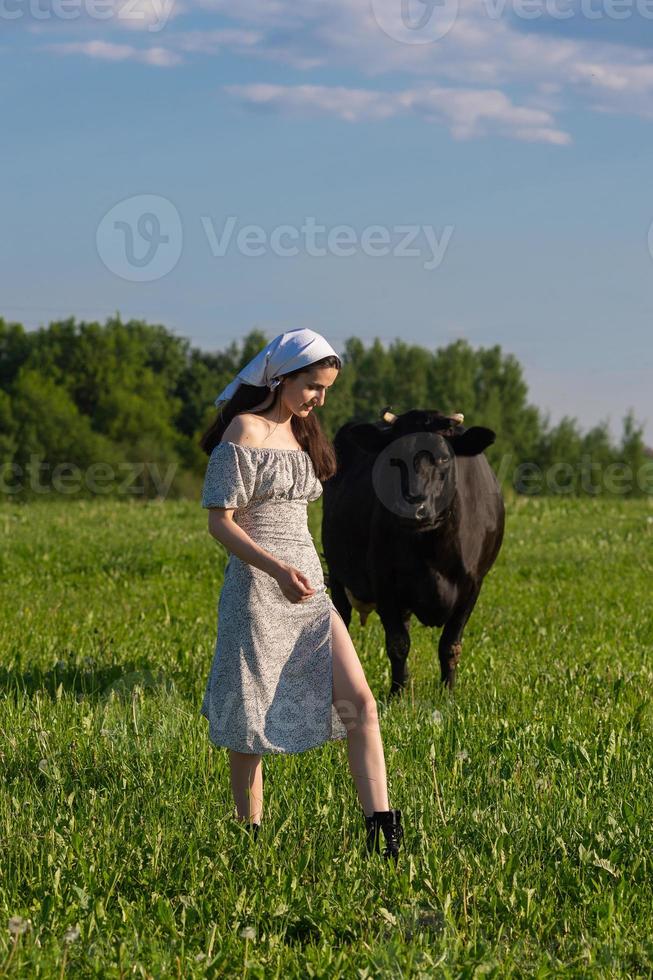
(412,521)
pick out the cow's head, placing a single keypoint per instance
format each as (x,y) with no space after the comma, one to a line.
(414,472)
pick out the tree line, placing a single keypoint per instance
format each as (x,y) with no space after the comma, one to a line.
(118,408)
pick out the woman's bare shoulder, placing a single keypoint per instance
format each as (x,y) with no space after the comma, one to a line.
(245,429)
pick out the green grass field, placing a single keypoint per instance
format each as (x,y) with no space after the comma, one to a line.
(527,796)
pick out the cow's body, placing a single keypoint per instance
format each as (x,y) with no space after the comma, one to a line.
(427,547)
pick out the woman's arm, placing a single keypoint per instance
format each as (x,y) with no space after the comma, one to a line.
(223,527)
(246,431)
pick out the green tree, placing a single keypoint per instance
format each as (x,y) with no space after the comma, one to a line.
(50,432)
(8,430)
(632,452)
(14,349)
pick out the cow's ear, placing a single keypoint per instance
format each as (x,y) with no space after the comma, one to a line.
(368,437)
(472,442)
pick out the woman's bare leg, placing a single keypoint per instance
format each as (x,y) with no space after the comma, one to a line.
(247,785)
(356,706)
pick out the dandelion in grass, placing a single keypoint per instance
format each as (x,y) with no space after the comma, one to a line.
(71,935)
(18,925)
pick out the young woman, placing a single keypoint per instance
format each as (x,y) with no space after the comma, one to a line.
(285,675)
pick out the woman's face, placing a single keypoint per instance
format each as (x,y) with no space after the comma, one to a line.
(307,391)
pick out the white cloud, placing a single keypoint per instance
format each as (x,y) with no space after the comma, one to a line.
(346,103)
(635,79)
(212,42)
(106,51)
(468,112)
(482,48)
(484,75)
(150,16)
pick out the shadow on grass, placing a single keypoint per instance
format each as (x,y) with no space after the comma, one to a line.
(90,684)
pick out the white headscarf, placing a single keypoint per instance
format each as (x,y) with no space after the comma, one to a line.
(290,350)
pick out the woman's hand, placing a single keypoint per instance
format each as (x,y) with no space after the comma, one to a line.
(294,584)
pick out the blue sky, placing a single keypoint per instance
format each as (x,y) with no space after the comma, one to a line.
(505,145)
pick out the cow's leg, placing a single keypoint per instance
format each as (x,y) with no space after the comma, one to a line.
(450,646)
(340,600)
(397,645)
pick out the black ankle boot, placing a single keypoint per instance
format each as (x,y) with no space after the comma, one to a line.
(388,821)
(250,826)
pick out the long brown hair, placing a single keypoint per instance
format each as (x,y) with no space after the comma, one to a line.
(307,431)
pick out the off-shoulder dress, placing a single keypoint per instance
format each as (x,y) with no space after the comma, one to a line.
(269,688)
